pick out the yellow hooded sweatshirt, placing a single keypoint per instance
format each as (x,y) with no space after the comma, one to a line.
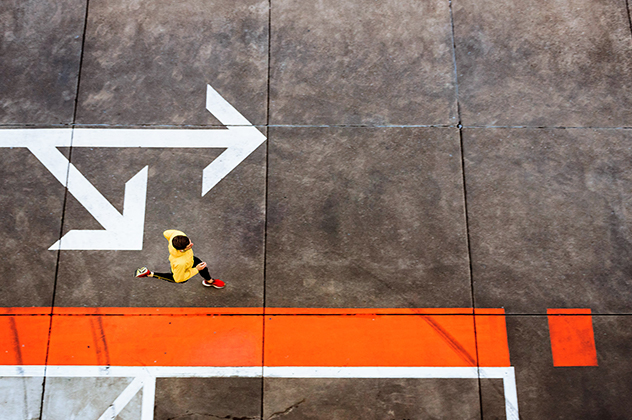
(181,262)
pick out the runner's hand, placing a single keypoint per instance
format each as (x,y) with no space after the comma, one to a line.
(201,266)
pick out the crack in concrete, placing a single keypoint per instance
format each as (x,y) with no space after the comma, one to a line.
(286,411)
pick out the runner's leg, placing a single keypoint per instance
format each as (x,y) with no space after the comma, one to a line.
(204,273)
(165,276)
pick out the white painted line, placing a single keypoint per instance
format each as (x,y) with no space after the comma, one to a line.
(22,371)
(122,400)
(132,371)
(149,398)
(240,138)
(223,111)
(369,372)
(147,375)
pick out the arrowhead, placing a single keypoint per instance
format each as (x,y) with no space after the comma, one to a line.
(246,139)
(124,233)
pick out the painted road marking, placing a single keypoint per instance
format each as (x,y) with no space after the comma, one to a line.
(228,342)
(239,139)
(80,337)
(572,337)
(145,377)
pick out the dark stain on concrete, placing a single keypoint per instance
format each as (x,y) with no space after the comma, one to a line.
(16,341)
(100,342)
(452,342)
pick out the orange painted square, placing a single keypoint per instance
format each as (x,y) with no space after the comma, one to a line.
(572,337)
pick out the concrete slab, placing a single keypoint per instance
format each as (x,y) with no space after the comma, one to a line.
(21,398)
(549,218)
(545,391)
(366,217)
(525,63)
(371,398)
(226,225)
(148,62)
(31,204)
(204,398)
(86,398)
(41,49)
(361,62)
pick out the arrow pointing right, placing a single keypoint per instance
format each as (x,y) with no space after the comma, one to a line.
(125,231)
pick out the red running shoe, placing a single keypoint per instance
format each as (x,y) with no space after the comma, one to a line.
(142,272)
(217,283)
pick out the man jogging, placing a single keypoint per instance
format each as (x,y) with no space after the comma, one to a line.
(184,264)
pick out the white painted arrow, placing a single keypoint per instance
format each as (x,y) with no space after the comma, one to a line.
(125,231)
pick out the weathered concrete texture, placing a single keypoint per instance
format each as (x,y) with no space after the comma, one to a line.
(371,399)
(226,226)
(544,64)
(148,62)
(40,49)
(31,204)
(548,392)
(492,399)
(208,398)
(549,217)
(20,398)
(361,62)
(366,217)
(86,398)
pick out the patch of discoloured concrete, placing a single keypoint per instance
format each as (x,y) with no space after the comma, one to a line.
(549,218)
(86,398)
(40,48)
(528,63)
(31,204)
(226,225)
(148,62)
(362,62)
(371,399)
(20,398)
(208,399)
(547,392)
(366,217)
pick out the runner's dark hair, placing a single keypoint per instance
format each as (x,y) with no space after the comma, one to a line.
(180,242)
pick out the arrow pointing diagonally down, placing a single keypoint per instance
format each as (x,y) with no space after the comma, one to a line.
(125,231)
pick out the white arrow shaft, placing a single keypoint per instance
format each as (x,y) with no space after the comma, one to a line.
(78,186)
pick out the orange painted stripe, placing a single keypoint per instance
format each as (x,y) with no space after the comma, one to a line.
(158,311)
(25,311)
(203,337)
(572,337)
(156,340)
(367,311)
(491,339)
(380,340)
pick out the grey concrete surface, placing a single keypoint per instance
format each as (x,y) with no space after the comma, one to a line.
(371,399)
(397,215)
(148,62)
(21,398)
(361,62)
(226,226)
(549,218)
(209,398)
(547,392)
(41,47)
(32,206)
(529,63)
(365,217)
(86,398)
